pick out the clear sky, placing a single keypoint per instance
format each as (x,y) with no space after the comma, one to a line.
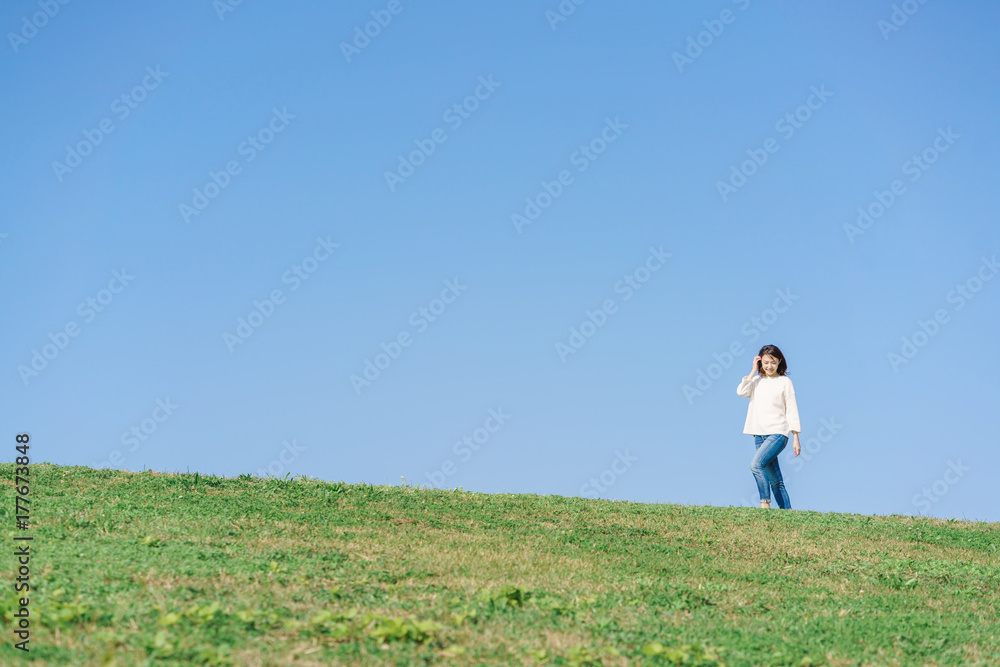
(488,245)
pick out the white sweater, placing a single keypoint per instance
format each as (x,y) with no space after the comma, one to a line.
(772,405)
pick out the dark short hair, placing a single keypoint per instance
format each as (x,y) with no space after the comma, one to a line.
(776,353)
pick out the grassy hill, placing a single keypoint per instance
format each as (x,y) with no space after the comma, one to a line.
(147,568)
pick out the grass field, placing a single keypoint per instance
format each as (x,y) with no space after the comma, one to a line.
(148,568)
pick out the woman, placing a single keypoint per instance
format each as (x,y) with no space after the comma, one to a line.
(771,414)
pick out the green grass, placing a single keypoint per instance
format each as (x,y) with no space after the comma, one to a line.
(148,568)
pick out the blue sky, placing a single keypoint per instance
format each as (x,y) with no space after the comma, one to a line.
(445,200)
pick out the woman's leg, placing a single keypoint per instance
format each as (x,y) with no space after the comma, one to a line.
(765,500)
(768,448)
(763,486)
(773,472)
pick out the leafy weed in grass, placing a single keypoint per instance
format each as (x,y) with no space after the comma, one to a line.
(686,654)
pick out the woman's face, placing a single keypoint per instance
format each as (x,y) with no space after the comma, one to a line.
(769,365)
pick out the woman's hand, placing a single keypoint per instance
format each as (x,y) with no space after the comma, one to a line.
(795,444)
(755,361)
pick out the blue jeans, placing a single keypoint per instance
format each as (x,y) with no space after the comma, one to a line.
(764,467)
